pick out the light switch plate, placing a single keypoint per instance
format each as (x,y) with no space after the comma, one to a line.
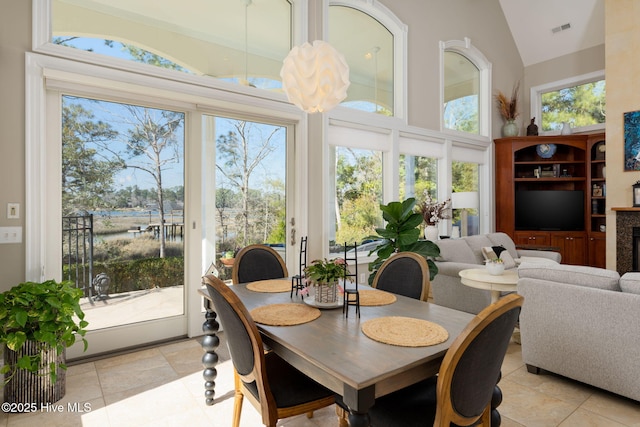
(10,235)
(13,210)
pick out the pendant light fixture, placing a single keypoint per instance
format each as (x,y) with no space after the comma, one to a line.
(315,76)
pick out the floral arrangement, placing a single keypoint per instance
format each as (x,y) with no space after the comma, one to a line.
(326,271)
(432,211)
(508,108)
(494,261)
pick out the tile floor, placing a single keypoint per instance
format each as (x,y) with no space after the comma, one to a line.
(163,386)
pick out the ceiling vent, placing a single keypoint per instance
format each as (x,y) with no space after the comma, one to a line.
(561,28)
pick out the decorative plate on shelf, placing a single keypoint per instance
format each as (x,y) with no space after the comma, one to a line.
(546,151)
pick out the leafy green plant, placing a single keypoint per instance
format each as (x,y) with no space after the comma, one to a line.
(48,313)
(401,234)
(326,271)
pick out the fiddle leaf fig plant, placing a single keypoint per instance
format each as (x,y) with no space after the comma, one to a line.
(402,233)
(47,313)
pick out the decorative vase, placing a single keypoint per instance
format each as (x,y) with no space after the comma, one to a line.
(431,233)
(566,129)
(35,388)
(510,129)
(495,268)
(326,292)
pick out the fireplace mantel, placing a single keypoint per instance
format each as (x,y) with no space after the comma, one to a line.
(635,209)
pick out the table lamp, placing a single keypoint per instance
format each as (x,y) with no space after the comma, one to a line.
(464,200)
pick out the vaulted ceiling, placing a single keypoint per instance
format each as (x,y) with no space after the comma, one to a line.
(547,29)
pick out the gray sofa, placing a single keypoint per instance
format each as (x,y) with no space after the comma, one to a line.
(460,254)
(582,323)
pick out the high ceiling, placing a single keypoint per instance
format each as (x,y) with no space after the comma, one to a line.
(547,29)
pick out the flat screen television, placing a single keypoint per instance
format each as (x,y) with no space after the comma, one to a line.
(550,210)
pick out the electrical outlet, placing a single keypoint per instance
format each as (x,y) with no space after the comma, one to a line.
(10,235)
(361,277)
(13,210)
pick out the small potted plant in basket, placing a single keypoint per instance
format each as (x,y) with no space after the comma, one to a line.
(324,275)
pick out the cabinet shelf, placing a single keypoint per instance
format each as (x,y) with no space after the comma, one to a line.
(552,179)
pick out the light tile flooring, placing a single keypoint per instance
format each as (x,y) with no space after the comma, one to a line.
(163,386)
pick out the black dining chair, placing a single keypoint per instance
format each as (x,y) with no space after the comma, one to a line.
(275,388)
(462,392)
(297,280)
(258,262)
(404,273)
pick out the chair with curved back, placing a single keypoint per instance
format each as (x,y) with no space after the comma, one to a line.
(462,392)
(274,387)
(405,273)
(258,262)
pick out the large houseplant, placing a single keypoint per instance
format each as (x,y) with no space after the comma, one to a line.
(402,233)
(38,322)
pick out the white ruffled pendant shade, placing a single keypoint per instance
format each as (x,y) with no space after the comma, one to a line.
(315,77)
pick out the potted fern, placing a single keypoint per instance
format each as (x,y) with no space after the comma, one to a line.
(39,321)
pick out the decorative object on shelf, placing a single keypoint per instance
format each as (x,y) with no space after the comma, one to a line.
(632,141)
(546,151)
(324,275)
(604,172)
(566,129)
(532,129)
(510,129)
(508,109)
(597,191)
(315,76)
(495,266)
(636,194)
(601,148)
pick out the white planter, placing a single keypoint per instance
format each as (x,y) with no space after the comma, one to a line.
(495,269)
(431,233)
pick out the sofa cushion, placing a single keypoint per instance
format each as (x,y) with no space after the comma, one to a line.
(572,274)
(476,243)
(503,239)
(455,250)
(630,282)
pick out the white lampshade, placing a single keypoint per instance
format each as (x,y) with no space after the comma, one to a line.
(315,77)
(464,200)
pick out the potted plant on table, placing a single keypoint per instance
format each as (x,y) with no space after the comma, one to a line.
(324,276)
(39,321)
(495,266)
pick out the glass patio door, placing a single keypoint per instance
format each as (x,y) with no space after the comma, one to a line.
(119,208)
(246,190)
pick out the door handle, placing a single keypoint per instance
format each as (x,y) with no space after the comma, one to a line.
(293,237)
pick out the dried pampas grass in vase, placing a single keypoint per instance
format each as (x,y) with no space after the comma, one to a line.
(508,109)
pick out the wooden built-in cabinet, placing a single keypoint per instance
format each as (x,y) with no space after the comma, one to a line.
(578,163)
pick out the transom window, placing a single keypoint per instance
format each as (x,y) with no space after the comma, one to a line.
(238,41)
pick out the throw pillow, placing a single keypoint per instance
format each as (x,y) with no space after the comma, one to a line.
(507,260)
(489,253)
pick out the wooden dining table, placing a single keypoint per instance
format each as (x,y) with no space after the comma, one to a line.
(334,351)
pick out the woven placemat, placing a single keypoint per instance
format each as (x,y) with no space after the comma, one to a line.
(405,331)
(284,314)
(371,297)
(272,285)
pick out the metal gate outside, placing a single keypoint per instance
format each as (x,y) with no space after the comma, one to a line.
(77,251)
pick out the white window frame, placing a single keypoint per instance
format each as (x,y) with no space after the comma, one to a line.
(399,30)
(469,51)
(536,98)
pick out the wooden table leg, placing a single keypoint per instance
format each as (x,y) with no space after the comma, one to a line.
(210,342)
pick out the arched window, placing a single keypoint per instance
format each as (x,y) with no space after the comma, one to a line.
(241,41)
(372,41)
(465,92)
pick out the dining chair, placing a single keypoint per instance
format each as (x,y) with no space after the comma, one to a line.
(405,273)
(258,262)
(274,387)
(297,280)
(462,392)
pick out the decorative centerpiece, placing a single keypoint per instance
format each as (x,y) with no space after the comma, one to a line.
(432,213)
(508,109)
(324,275)
(495,266)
